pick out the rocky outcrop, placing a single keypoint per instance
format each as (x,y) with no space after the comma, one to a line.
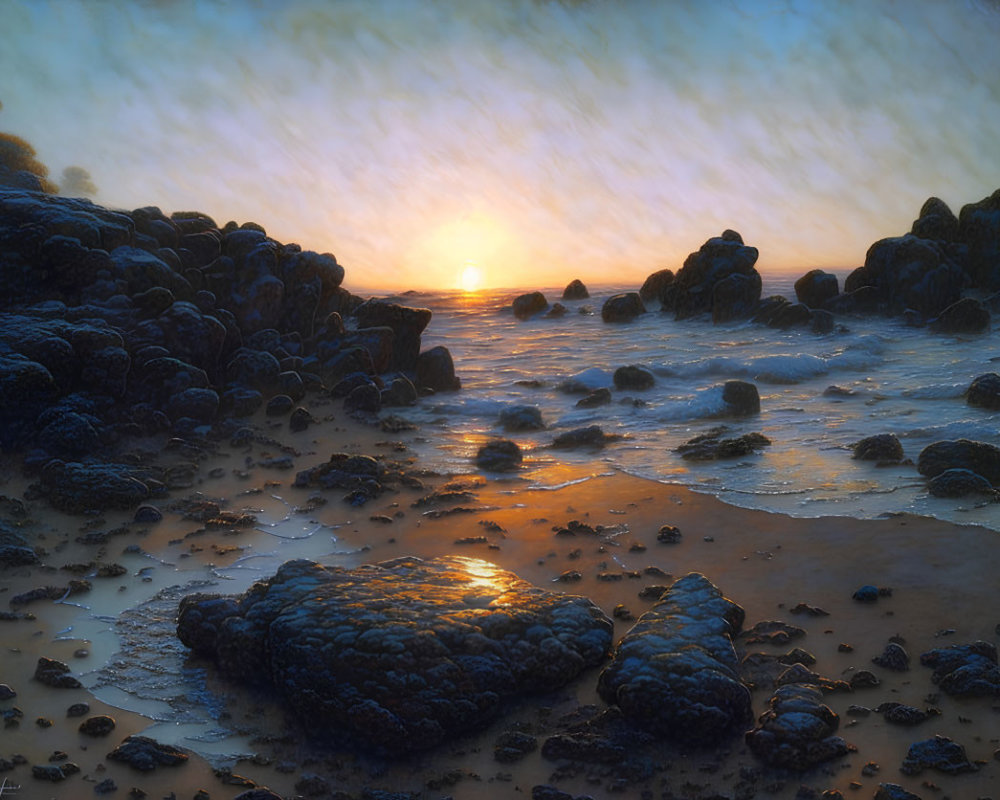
(458,638)
(979,457)
(692,291)
(676,673)
(797,731)
(979,231)
(499,455)
(968,670)
(622,307)
(655,284)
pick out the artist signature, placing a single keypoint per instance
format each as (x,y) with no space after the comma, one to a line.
(8,789)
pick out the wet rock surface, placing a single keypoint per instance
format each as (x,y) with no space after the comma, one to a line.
(676,673)
(966,669)
(714,445)
(401,654)
(798,730)
(940,754)
(145,754)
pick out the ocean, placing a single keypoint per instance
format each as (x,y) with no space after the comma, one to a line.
(890,378)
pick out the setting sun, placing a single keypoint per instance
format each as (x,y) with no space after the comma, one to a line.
(471,279)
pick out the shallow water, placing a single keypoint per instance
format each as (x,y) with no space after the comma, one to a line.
(895,379)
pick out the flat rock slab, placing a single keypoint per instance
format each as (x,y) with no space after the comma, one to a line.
(676,673)
(399,654)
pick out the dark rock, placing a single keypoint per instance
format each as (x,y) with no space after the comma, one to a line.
(349,383)
(900,714)
(633,378)
(100,725)
(864,679)
(527,305)
(816,287)
(668,534)
(365,398)
(399,392)
(145,754)
(591,436)
(622,307)
(979,230)
(300,419)
(936,221)
(14,549)
(254,369)
(313,785)
(675,673)
(882,447)
(545,792)
(741,398)
(55,674)
(797,731)
(6,693)
(241,402)
(521,418)
(965,670)
(436,370)
(984,392)
(960,483)
(967,315)
(575,290)
(866,594)
(791,315)
(26,387)
(894,658)
(344,471)
(598,397)
(655,284)
(75,487)
(893,791)
(822,321)
(711,446)
(512,746)
(201,405)
(78,710)
(48,772)
(557,310)
(459,637)
(735,296)
(908,272)
(939,753)
(979,457)
(279,405)
(692,290)
(499,455)
(266,794)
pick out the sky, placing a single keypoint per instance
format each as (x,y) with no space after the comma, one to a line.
(520,143)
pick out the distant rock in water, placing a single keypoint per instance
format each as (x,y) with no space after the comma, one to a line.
(816,287)
(967,315)
(979,457)
(499,455)
(882,447)
(712,446)
(633,377)
(741,398)
(575,290)
(960,483)
(655,284)
(692,291)
(676,673)
(527,305)
(459,638)
(521,418)
(622,307)
(984,392)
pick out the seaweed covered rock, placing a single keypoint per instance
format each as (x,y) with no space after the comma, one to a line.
(401,654)
(692,291)
(965,669)
(676,673)
(797,731)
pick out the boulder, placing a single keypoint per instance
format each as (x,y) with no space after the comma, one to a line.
(575,290)
(254,369)
(145,754)
(741,398)
(908,272)
(521,418)
(979,457)
(797,732)
(76,487)
(711,446)
(936,221)
(940,753)
(816,287)
(499,455)
(655,284)
(979,231)
(598,397)
(633,378)
(676,673)
(967,315)
(460,637)
(735,296)
(893,791)
(56,674)
(965,670)
(436,371)
(984,392)
(365,398)
(692,290)
(399,392)
(527,305)
(790,315)
(884,448)
(592,436)
(960,483)
(622,307)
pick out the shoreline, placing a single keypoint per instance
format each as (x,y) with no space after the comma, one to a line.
(765,562)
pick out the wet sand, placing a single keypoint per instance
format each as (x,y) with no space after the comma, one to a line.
(943,579)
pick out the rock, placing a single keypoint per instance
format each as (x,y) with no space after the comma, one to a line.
(633,378)
(822,321)
(675,673)
(791,315)
(365,398)
(965,670)
(936,221)
(100,725)
(358,473)
(966,315)
(668,534)
(78,710)
(55,674)
(979,457)
(622,307)
(558,310)
(900,714)
(460,637)
(816,287)
(655,284)
(499,455)
(939,753)
(598,397)
(692,290)
(521,418)
(399,392)
(300,419)
(741,398)
(866,594)
(984,392)
(545,792)
(14,549)
(145,754)
(864,679)
(797,731)
(198,404)
(893,791)
(75,487)
(241,402)
(253,369)
(894,658)
(575,290)
(6,693)
(908,272)
(512,746)
(436,371)
(960,483)
(26,387)
(591,436)
(279,405)
(735,297)
(979,230)
(527,305)
(711,446)
(883,447)
(263,793)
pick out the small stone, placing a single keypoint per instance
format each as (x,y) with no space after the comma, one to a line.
(78,710)
(866,594)
(6,693)
(668,534)
(107,786)
(100,725)
(147,514)
(864,679)
(55,674)
(894,657)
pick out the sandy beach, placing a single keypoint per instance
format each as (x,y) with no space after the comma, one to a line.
(119,639)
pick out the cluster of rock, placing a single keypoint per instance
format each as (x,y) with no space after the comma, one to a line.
(399,654)
(127,324)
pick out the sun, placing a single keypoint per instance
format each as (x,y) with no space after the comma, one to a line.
(471,278)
